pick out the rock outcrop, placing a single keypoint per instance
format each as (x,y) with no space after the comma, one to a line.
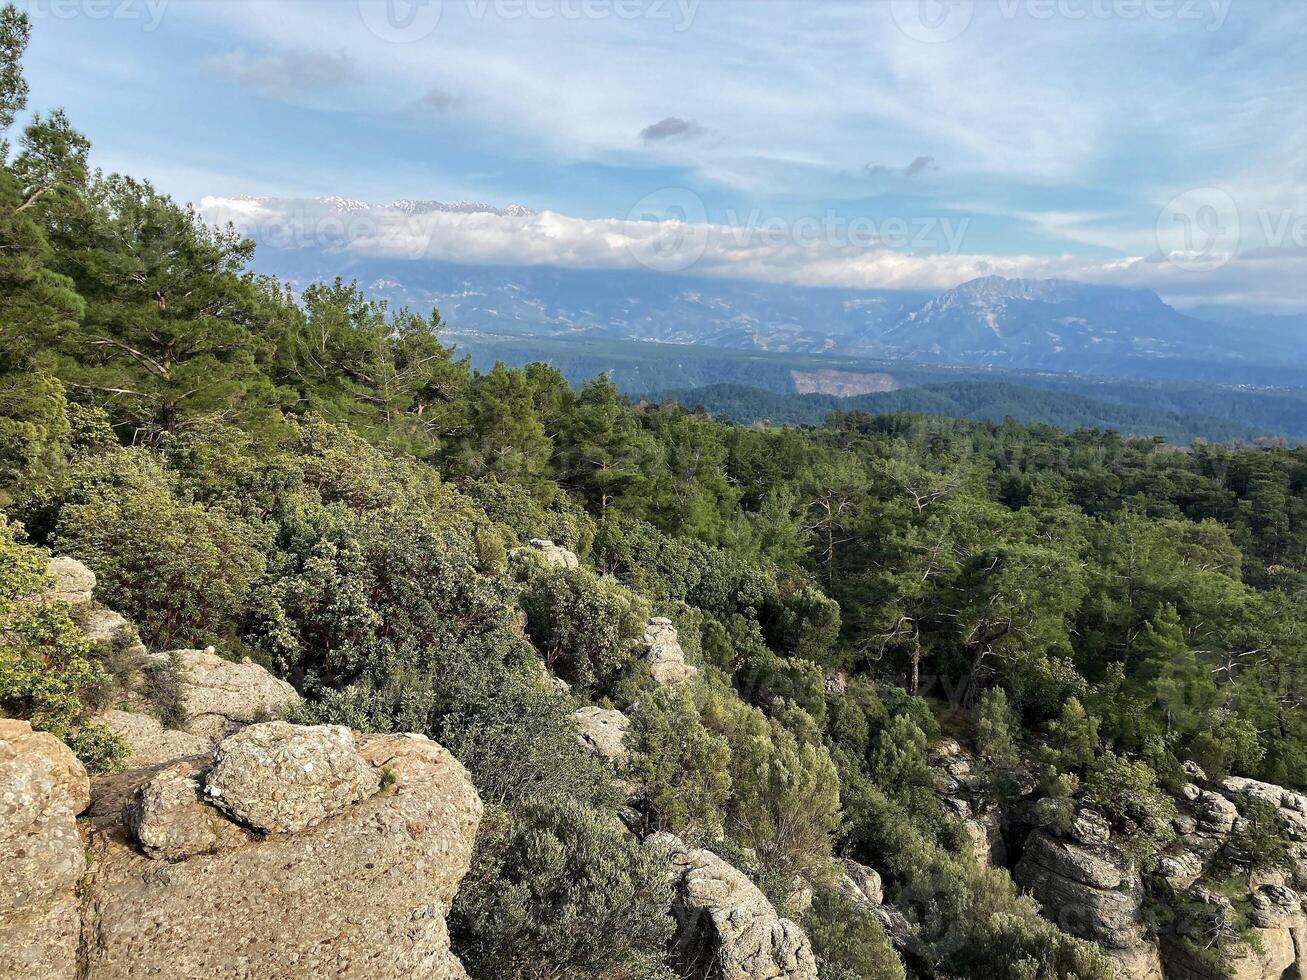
(726,927)
(178,889)
(555,555)
(666,658)
(603,732)
(962,793)
(237,848)
(74,583)
(42,789)
(162,882)
(1086,885)
(1093,892)
(219,696)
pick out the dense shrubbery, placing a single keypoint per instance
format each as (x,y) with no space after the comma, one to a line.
(319,482)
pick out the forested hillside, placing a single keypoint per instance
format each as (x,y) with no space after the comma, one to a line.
(317,482)
(981,401)
(1214,412)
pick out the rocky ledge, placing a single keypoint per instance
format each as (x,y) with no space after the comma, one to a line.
(726,927)
(289,851)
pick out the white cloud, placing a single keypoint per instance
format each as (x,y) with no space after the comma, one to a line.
(803,253)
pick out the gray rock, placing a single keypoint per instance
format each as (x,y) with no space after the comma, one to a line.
(106,626)
(150,743)
(219,696)
(170,820)
(860,883)
(282,778)
(555,555)
(1180,870)
(42,789)
(1090,828)
(603,732)
(74,583)
(361,895)
(1085,892)
(726,928)
(666,657)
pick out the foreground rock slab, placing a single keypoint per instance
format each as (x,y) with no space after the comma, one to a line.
(361,894)
(42,789)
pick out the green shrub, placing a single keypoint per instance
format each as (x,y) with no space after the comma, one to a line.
(181,572)
(47,671)
(588,628)
(680,768)
(559,890)
(849,941)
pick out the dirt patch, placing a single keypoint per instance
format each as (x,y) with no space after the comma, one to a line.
(842,383)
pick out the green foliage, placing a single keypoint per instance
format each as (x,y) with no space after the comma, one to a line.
(317,481)
(47,670)
(849,941)
(681,769)
(180,571)
(558,890)
(588,628)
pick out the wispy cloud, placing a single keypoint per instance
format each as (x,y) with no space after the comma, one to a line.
(286,74)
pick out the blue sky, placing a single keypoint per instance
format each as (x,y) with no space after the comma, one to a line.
(1120,140)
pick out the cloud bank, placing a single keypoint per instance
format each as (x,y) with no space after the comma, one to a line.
(810,254)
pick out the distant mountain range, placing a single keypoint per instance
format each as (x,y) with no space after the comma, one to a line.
(1050,325)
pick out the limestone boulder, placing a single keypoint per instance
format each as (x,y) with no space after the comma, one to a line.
(280,778)
(103,625)
(860,883)
(666,656)
(42,789)
(74,583)
(726,927)
(170,819)
(555,555)
(219,696)
(149,741)
(361,894)
(603,732)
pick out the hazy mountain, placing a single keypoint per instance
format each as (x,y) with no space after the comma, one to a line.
(1056,324)
(991,322)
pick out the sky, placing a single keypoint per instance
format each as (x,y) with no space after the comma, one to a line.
(876,143)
